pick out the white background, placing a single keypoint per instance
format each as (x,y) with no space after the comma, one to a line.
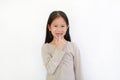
(94,27)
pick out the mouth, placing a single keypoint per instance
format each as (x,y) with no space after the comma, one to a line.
(59,34)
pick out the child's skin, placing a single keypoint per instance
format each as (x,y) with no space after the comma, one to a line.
(58,29)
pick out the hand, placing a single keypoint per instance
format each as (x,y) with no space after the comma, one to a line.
(60,42)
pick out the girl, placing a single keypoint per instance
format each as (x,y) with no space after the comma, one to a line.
(60,55)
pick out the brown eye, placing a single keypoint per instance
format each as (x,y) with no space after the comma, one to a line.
(55,26)
(62,26)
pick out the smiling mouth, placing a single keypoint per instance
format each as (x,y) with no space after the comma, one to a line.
(59,34)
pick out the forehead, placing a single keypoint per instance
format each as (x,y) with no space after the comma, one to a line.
(59,20)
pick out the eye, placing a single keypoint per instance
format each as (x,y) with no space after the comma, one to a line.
(62,26)
(55,25)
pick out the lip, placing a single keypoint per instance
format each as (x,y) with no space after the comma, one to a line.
(59,34)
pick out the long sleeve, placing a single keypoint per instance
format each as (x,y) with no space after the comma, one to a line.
(51,62)
(77,63)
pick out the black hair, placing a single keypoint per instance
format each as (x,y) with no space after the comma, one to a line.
(52,16)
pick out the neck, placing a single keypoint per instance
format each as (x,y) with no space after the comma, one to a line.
(56,39)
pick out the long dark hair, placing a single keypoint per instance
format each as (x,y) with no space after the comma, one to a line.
(52,16)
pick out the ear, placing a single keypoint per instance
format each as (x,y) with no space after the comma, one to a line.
(49,27)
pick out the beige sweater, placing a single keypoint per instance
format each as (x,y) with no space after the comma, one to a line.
(61,64)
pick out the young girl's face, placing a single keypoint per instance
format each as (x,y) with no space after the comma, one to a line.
(58,27)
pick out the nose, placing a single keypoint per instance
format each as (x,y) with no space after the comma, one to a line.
(59,28)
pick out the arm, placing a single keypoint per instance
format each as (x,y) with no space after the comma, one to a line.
(51,62)
(77,63)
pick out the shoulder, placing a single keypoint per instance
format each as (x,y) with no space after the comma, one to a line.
(73,48)
(45,46)
(73,44)
(45,49)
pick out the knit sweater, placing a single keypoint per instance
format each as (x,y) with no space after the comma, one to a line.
(61,64)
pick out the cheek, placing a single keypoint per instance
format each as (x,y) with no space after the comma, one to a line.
(65,29)
(52,29)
